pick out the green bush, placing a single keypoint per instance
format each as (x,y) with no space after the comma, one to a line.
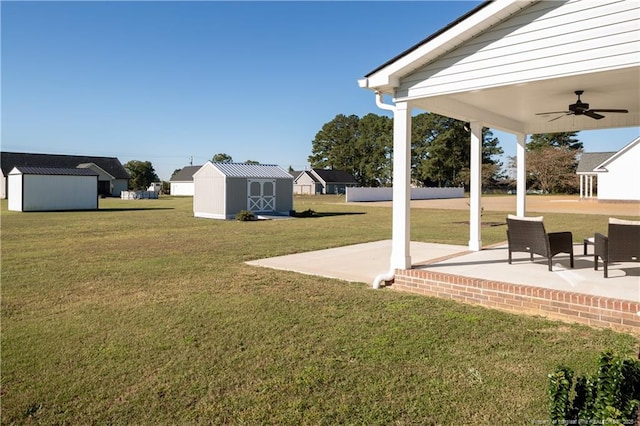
(245,215)
(612,396)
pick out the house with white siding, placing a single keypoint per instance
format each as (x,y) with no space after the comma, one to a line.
(182,182)
(113,178)
(619,174)
(587,174)
(323,181)
(514,66)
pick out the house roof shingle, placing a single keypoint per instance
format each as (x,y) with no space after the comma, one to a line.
(185,175)
(9,160)
(590,160)
(335,176)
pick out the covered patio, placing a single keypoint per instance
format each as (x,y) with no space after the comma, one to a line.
(503,66)
(485,278)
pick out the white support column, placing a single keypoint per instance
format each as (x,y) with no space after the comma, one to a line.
(401,230)
(475,214)
(521,177)
(586,186)
(581,186)
(590,186)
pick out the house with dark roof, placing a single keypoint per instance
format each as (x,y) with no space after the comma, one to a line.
(322,181)
(587,173)
(619,174)
(182,182)
(112,176)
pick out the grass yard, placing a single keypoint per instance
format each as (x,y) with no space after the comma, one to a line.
(141,314)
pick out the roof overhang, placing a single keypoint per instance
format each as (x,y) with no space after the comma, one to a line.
(386,78)
(512,107)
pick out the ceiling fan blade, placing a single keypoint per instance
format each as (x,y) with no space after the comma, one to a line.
(558,117)
(553,112)
(624,111)
(592,114)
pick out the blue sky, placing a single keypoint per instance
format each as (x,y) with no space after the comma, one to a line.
(171,81)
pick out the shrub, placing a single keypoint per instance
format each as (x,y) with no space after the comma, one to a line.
(245,215)
(612,396)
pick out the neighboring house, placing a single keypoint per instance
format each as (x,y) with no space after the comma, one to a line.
(585,171)
(52,189)
(619,175)
(221,190)
(182,182)
(112,176)
(322,181)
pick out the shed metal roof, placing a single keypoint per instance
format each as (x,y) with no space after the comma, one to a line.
(243,170)
(53,171)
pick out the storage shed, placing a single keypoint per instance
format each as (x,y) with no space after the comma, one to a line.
(52,189)
(221,190)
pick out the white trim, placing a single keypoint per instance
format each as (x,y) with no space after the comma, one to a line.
(211,215)
(627,147)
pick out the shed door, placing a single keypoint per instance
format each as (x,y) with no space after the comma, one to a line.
(262,195)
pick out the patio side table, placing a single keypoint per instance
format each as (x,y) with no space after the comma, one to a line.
(590,241)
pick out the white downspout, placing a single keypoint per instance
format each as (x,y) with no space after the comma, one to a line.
(400,247)
(391,274)
(380,104)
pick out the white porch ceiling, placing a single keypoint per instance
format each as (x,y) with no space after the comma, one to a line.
(513,108)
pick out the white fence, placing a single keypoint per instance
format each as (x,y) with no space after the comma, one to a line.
(386,194)
(138,195)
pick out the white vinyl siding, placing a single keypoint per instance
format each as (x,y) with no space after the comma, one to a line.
(209,186)
(542,41)
(52,193)
(181,188)
(621,181)
(15,187)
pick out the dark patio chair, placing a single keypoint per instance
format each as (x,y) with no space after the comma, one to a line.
(527,234)
(622,244)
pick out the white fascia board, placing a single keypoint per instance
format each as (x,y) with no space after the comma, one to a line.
(201,169)
(455,109)
(618,154)
(495,12)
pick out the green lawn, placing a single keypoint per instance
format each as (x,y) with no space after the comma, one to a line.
(141,314)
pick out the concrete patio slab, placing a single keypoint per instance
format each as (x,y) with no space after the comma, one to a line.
(363,262)
(355,263)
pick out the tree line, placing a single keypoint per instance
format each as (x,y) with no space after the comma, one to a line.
(440,153)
